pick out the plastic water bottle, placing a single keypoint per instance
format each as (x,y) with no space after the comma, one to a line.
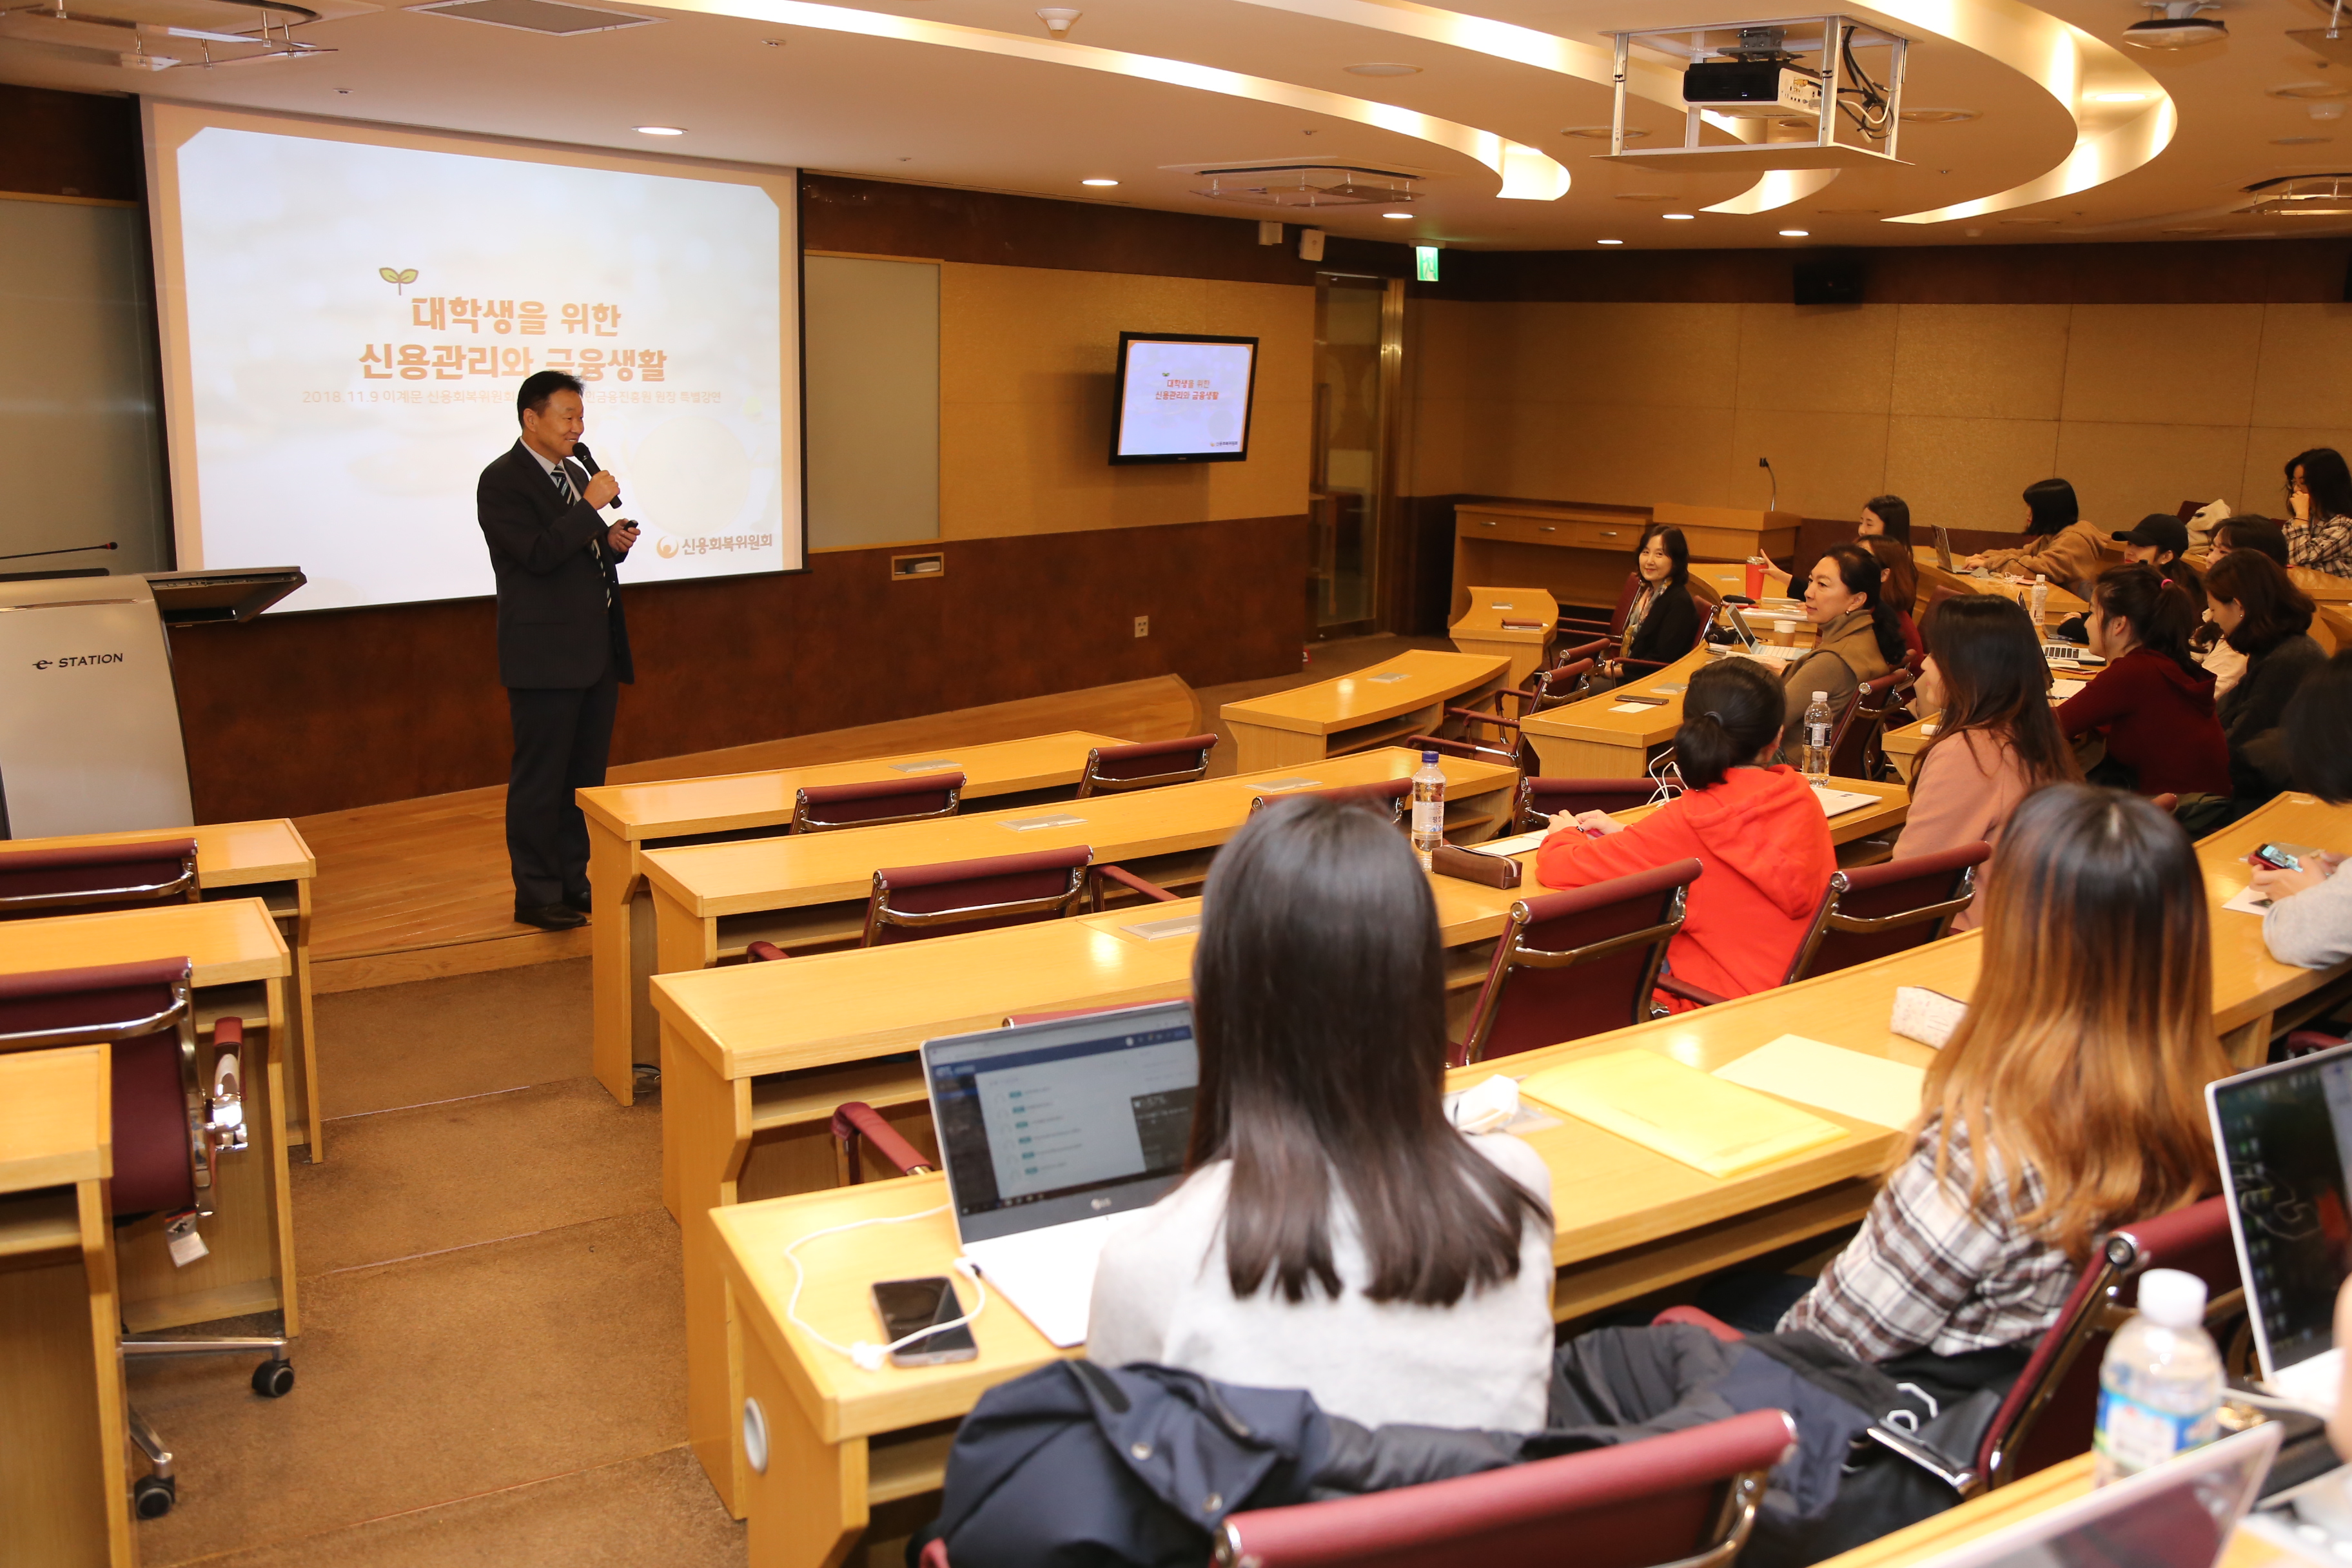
(2160,1385)
(1818,723)
(1428,808)
(2040,596)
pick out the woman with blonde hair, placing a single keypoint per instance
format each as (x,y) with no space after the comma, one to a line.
(2069,1101)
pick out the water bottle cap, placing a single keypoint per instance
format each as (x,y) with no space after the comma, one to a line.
(2172,1298)
(2041,578)
(1820,696)
(1432,756)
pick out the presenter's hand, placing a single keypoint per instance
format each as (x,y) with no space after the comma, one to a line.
(602,487)
(620,536)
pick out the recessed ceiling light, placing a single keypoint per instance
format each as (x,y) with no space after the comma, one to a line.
(1098,181)
(1601,132)
(1609,242)
(1940,116)
(2115,96)
(2299,141)
(1678,217)
(1396,215)
(1381,68)
(660,131)
(1795,233)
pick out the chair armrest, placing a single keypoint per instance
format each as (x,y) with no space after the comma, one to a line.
(1689,992)
(1594,649)
(1479,716)
(764,952)
(1708,1320)
(1644,665)
(1127,878)
(2302,1042)
(857,1119)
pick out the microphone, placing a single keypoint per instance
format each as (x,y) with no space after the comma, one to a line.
(68,550)
(1766,464)
(587,468)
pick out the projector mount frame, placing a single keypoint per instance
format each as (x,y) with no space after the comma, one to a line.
(1855,117)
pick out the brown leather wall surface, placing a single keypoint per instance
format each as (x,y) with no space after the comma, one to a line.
(295,714)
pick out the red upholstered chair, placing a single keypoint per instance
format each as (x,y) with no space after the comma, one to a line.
(909,903)
(1589,631)
(1562,683)
(822,808)
(1687,1498)
(1388,799)
(1541,798)
(91,876)
(175,1116)
(858,1119)
(1854,744)
(1577,963)
(1870,911)
(1146,765)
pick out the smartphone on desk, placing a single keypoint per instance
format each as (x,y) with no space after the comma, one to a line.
(909,1306)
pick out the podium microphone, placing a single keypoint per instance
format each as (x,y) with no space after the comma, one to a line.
(68,550)
(1766,464)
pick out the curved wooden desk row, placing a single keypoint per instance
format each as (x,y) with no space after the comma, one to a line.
(1629,1222)
(1377,707)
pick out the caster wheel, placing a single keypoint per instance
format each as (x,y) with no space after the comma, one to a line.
(152,1496)
(274,1379)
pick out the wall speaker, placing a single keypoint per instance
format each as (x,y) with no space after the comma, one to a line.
(1828,280)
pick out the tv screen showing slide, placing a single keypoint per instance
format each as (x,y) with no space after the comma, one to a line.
(1183,399)
(349,313)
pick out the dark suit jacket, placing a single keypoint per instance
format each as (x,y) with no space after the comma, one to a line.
(1668,630)
(554,567)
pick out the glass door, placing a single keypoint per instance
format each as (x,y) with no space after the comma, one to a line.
(1358,350)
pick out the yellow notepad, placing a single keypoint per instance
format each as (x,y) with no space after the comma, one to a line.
(1868,1089)
(1680,1112)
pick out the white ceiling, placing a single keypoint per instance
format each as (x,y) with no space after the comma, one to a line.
(919,111)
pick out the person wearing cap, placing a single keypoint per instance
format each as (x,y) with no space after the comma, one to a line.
(2161,540)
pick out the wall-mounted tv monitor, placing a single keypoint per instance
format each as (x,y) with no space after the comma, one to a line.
(1182,398)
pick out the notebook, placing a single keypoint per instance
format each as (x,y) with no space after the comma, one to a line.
(1048,1132)
(1679,1111)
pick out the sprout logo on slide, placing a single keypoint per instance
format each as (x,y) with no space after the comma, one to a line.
(399,277)
(666,547)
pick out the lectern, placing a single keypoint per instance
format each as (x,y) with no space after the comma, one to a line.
(90,723)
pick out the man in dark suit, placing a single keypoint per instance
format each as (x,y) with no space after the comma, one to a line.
(563,648)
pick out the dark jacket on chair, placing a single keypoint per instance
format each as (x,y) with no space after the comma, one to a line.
(555,570)
(2251,712)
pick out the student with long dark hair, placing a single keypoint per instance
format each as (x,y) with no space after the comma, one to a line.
(1662,624)
(2247,532)
(1856,637)
(1334,1233)
(2225,664)
(1898,588)
(2319,512)
(2152,703)
(2309,922)
(1996,739)
(2058,543)
(2267,618)
(1754,825)
(1885,517)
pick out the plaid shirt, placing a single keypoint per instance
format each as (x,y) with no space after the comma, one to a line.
(2322,546)
(1928,1273)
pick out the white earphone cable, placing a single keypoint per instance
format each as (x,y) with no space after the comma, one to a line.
(865,1353)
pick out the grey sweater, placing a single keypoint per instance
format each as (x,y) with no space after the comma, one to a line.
(2313,929)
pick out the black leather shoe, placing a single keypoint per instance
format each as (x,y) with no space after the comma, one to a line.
(578,900)
(551,917)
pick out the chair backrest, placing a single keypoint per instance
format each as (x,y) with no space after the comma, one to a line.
(142,1012)
(1625,610)
(1560,683)
(1862,722)
(2051,1408)
(1147,765)
(1577,963)
(1387,798)
(909,903)
(1542,798)
(1870,911)
(822,808)
(1687,1498)
(91,876)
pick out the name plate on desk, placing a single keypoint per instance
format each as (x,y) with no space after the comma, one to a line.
(1031,824)
(937,764)
(1156,931)
(1391,679)
(1275,786)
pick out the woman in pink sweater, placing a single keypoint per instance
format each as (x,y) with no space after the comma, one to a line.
(1997,740)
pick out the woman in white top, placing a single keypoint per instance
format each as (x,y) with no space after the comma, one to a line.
(1335,1233)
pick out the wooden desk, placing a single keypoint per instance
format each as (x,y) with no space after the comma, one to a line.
(627,820)
(1377,707)
(1517,624)
(2060,604)
(1588,740)
(65,1489)
(269,861)
(241,967)
(2322,587)
(1581,553)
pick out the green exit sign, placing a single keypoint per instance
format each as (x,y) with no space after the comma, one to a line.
(1424,263)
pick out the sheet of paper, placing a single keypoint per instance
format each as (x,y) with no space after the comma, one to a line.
(1837,802)
(1632,708)
(2062,690)
(1868,1089)
(1160,931)
(937,764)
(1031,824)
(2249,901)
(1721,1128)
(1518,846)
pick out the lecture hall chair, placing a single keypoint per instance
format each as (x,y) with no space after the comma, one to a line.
(1855,743)
(88,878)
(1467,751)
(1146,765)
(909,903)
(174,1120)
(1388,797)
(1576,964)
(1546,688)
(1542,798)
(825,808)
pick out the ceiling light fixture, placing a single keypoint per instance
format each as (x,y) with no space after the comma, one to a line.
(1678,217)
(1608,242)
(660,131)
(1381,68)
(1098,181)
(1796,233)
(1057,19)
(1396,215)
(2177,26)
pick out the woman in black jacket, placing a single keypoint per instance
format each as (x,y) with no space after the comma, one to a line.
(1663,622)
(2266,617)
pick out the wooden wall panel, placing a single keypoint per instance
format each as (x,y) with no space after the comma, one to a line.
(295,714)
(74,144)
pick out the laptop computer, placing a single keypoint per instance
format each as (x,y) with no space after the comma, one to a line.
(1048,1132)
(2179,1515)
(2283,1134)
(1943,548)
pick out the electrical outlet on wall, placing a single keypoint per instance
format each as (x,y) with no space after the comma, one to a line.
(1143,625)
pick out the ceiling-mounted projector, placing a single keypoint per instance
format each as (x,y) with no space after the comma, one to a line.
(2179,27)
(1751,90)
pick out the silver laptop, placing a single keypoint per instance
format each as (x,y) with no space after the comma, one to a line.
(2179,1515)
(2283,1133)
(1943,548)
(1048,1132)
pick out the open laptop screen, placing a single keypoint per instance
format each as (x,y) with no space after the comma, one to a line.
(1062,1120)
(2283,1133)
